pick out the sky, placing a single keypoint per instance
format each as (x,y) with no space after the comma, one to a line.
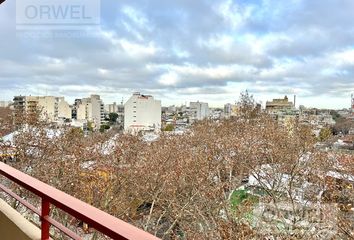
(189,50)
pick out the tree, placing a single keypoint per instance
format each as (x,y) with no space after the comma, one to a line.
(113,117)
(104,127)
(247,106)
(335,115)
(169,128)
(90,126)
(6,121)
(181,186)
(343,125)
(325,134)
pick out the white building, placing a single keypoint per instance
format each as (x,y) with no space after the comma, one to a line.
(198,110)
(90,109)
(50,108)
(64,109)
(142,113)
(111,108)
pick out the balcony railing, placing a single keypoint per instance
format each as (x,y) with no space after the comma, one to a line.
(101,221)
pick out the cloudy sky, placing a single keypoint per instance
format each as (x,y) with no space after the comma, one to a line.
(187,50)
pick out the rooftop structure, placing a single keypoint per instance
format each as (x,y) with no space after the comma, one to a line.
(279,104)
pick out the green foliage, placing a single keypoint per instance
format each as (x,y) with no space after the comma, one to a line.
(90,126)
(169,128)
(104,127)
(325,134)
(76,132)
(335,115)
(239,196)
(113,117)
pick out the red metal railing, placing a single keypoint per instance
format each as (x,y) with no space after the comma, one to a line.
(101,221)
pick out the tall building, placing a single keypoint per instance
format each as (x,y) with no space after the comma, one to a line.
(111,108)
(90,109)
(198,110)
(279,104)
(120,111)
(49,108)
(142,113)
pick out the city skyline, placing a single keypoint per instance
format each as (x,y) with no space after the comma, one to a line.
(124,99)
(186,51)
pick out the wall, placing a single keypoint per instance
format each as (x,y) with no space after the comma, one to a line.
(14,226)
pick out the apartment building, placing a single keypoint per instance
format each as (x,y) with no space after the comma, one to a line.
(198,110)
(90,109)
(111,108)
(142,113)
(64,109)
(49,108)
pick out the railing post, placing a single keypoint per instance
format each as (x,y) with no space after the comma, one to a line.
(45,225)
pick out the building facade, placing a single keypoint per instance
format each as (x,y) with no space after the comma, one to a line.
(111,108)
(90,109)
(64,109)
(279,104)
(47,108)
(142,113)
(198,110)
(230,110)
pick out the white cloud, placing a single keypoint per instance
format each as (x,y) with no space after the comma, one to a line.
(344,57)
(194,48)
(138,50)
(169,79)
(136,16)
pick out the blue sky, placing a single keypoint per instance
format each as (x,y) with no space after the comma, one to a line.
(187,50)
